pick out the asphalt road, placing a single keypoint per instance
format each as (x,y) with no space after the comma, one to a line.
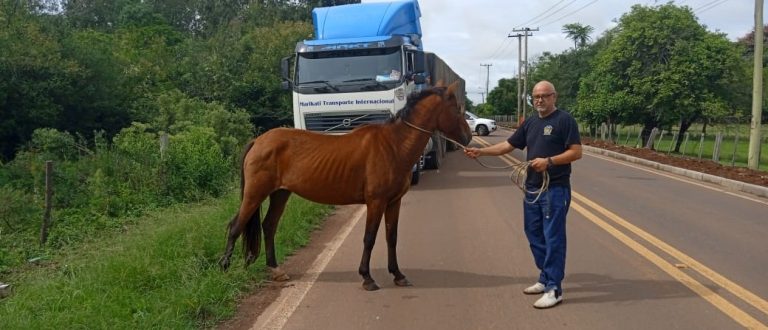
(646,250)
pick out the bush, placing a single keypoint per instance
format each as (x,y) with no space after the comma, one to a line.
(195,166)
(20,216)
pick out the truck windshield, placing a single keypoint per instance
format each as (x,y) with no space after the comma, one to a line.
(349,70)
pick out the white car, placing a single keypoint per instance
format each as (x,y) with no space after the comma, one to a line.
(481,126)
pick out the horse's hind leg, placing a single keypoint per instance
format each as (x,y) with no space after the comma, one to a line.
(391,218)
(277,202)
(234,230)
(232,235)
(246,222)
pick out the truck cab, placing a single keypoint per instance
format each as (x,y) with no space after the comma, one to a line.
(359,69)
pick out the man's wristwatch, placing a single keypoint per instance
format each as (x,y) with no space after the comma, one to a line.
(549,162)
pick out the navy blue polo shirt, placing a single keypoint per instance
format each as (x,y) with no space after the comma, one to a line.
(547,137)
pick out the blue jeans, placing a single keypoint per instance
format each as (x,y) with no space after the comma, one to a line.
(544,223)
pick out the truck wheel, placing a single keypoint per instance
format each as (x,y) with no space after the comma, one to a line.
(433,161)
(482,130)
(415,176)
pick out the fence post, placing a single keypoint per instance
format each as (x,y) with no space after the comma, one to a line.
(674,141)
(654,132)
(735,146)
(48,202)
(685,143)
(701,145)
(163,144)
(602,131)
(716,150)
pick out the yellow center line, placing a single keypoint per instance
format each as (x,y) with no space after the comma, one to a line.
(720,280)
(712,297)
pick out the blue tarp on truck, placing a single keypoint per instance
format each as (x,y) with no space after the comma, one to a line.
(370,20)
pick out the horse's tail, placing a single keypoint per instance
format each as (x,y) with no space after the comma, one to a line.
(252,237)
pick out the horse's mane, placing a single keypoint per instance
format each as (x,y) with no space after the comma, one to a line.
(413,99)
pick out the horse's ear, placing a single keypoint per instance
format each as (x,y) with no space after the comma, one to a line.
(440,83)
(452,88)
(452,96)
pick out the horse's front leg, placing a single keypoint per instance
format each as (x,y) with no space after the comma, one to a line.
(375,211)
(391,218)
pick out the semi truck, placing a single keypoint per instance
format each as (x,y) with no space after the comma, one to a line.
(364,60)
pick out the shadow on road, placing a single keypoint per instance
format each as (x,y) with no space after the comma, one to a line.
(597,288)
(428,278)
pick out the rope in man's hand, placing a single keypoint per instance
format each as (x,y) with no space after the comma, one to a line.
(518,175)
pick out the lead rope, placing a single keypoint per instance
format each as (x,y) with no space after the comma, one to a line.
(517,176)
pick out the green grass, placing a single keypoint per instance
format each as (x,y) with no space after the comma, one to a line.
(159,273)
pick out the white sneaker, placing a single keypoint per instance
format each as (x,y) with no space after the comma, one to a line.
(548,299)
(535,289)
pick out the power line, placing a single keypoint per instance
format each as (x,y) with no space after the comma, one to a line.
(500,50)
(542,13)
(553,12)
(571,13)
(709,6)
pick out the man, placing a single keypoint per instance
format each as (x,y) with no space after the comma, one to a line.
(552,141)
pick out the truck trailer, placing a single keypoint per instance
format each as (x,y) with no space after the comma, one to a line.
(364,60)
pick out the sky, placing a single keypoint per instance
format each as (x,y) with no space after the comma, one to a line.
(469,34)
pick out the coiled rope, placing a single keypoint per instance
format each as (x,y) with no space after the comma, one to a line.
(517,176)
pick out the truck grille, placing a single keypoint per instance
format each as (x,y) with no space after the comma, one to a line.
(344,121)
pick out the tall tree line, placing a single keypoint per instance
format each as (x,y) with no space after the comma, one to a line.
(84,66)
(659,67)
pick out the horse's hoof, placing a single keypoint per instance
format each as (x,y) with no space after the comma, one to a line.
(403,282)
(370,286)
(224,263)
(279,275)
(249,259)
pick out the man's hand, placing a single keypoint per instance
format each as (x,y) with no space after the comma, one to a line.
(472,152)
(539,164)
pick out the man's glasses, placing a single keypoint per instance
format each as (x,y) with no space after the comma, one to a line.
(543,96)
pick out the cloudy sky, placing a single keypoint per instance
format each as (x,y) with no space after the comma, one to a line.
(467,34)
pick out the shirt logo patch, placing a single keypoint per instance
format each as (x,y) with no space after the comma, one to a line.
(548,130)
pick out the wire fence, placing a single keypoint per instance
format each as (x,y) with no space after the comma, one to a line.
(726,144)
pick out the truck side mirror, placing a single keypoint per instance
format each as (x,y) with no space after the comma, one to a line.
(419,62)
(285,69)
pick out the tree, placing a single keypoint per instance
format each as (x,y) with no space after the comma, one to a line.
(661,67)
(565,71)
(35,78)
(578,33)
(503,98)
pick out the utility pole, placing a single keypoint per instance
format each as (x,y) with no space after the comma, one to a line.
(753,159)
(525,57)
(519,65)
(487,76)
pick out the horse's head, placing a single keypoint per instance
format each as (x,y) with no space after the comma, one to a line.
(450,120)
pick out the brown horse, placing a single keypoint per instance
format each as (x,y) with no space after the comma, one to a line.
(370,165)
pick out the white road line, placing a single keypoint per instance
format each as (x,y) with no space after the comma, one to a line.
(277,314)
